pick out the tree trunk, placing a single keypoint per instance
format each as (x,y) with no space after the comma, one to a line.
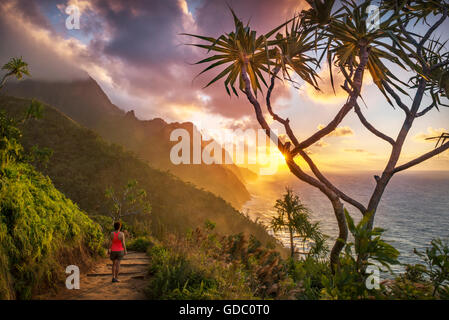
(292,245)
(3,81)
(338,212)
(395,154)
(342,234)
(296,170)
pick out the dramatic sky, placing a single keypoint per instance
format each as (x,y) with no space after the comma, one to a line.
(134,50)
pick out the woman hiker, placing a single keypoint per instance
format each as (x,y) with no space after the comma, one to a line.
(116,249)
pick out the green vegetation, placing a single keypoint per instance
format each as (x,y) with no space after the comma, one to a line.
(368,249)
(128,202)
(82,166)
(85,102)
(205,265)
(40,229)
(369,252)
(15,67)
(436,258)
(294,218)
(426,280)
(140,244)
(245,61)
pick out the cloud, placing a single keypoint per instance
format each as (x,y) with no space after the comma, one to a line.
(431,133)
(24,33)
(339,131)
(359,151)
(321,144)
(326,93)
(134,48)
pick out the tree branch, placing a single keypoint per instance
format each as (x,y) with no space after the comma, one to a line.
(396,97)
(357,85)
(417,55)
(423,112)
(324,180)
(395,152)
(422,158)
(302,153)
(432,29)
(284,122)
(257,109)
(370,127)
(296,170)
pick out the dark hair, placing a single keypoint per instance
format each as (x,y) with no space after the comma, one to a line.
(117,225)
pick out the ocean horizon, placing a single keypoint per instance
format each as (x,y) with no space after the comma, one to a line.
(414,208)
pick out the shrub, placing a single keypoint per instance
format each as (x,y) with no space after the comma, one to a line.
(349,281)
(140,244)
(177,278)
(106,223)
(40,230)
(206,265)
(437,259)
(308,274)
(426,281)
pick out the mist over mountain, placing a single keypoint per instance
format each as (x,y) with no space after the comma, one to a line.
(83,165)
(85,102)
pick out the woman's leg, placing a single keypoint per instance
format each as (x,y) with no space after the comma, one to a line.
(117,261)
(113,269)
(117,268)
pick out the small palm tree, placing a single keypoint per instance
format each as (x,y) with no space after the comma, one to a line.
(294,218)
(15,67)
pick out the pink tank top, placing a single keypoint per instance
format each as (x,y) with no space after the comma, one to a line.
(116,243)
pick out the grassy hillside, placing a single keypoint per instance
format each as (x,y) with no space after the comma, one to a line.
(41,232)
(85,102)
(83,165)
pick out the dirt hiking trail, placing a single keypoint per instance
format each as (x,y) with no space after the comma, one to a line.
(97,285)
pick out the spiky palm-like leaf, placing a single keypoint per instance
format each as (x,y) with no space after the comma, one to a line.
(294,47)
(236,49)
(16,67)
(319,13)
(349,32)
(419,9)
(242,48)
(437,80)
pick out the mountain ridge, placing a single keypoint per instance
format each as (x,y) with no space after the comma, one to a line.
(85,102)
(83,165)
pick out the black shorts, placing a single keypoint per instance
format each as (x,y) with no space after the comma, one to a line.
(117,255)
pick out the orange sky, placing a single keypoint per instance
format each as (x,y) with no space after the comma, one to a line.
(141,63)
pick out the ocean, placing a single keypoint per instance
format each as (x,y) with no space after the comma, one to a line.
(413,210)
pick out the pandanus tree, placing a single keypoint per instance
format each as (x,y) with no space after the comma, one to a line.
(294,218)
(354,47)
(14,67)
(10,149)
